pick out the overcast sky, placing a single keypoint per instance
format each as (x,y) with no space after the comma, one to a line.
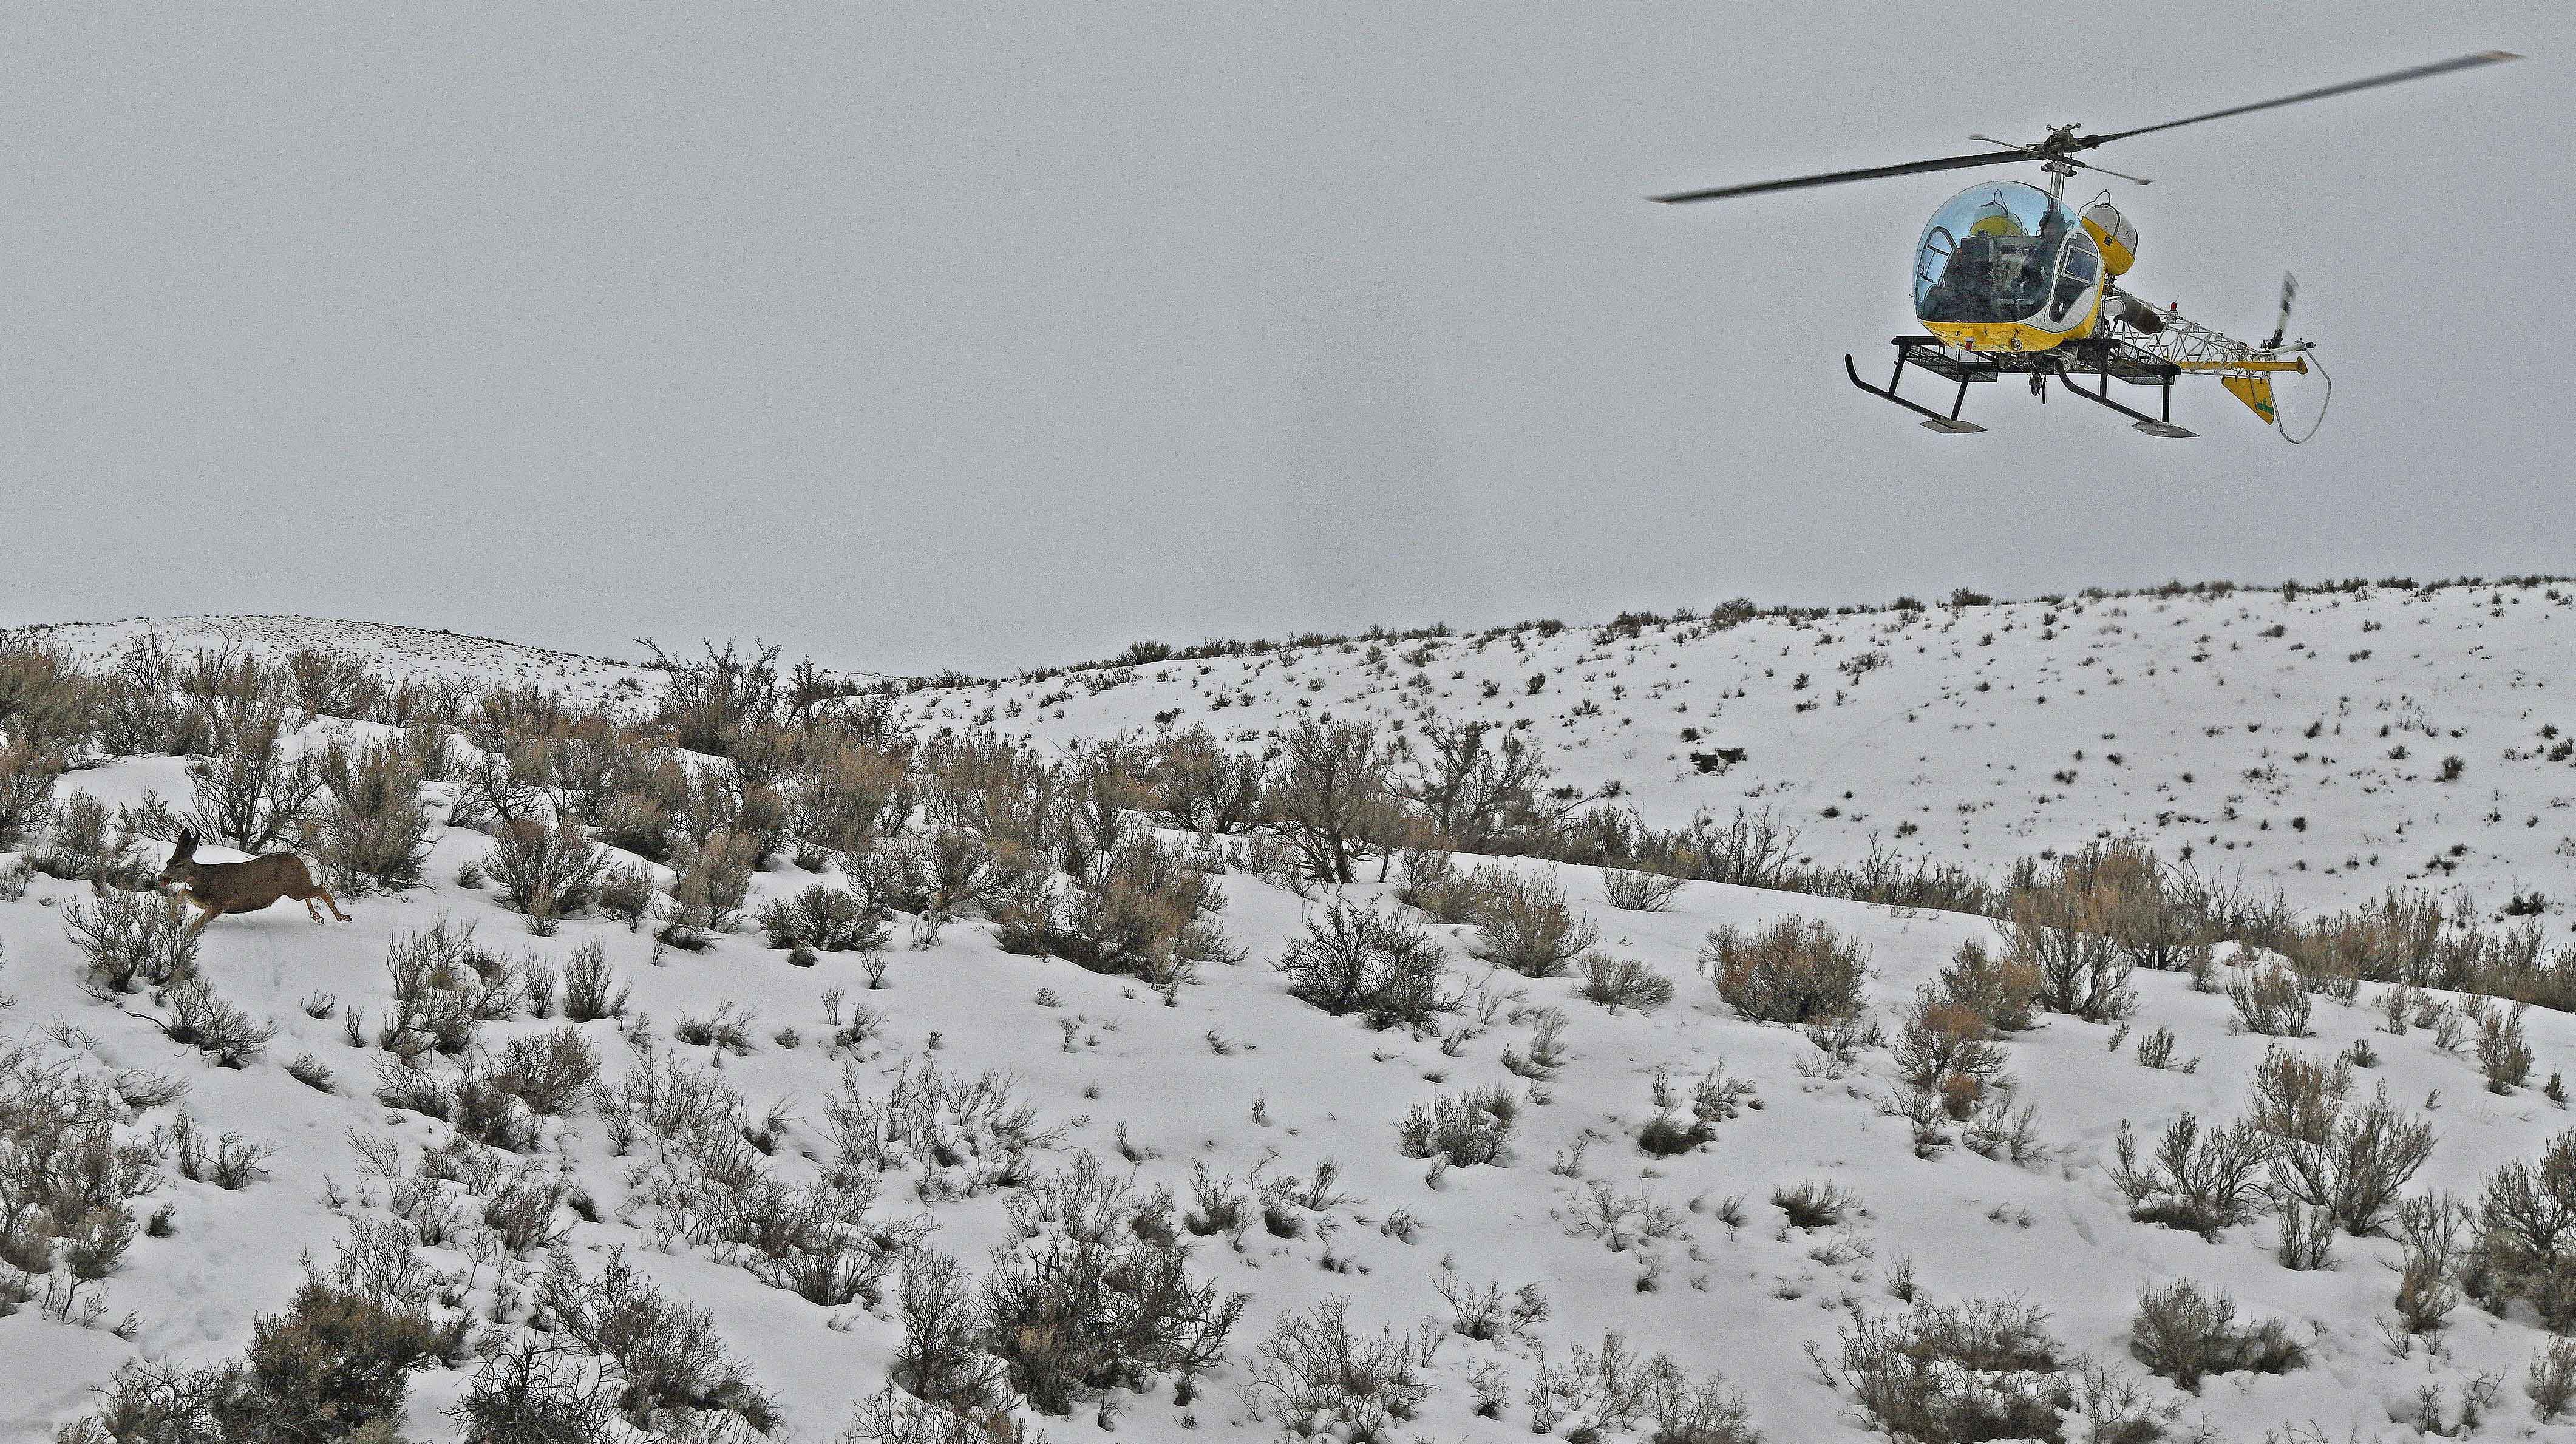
(993,335)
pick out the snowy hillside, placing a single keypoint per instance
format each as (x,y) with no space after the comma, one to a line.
(391,652)
(2300,739)
(1456,1200)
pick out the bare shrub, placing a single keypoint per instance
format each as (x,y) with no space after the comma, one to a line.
(26,790)
(374,833)
(1470,1128)
(1812,1205)
(2355,1171)
(2430,1230)
(2003,991)
(334,1365)
(995,788)
(670,1362)
(1752,849)
(45,699)
(84,844)
(310,1071)
(1477,795)
(2202,1179)
(2504,1052)
(729,1028)
(967,1136)
(212,1025)
(942,1359)
(1795,971)
(1143,908)
(1546,1045)
(330,684)
(1617,983)
(1524,923)
(130,939)
(1676,1128)
(1329,797)
(2298,1098)
(626,893)
(1089,1300)
(708,700)
(551,1072)
(2271,1002)
(534,1392)
(1956,1373)
(1316,1375)
(1488,1314)
(1638,892)
(844,799)
(1378,965)
(1695,1411)
(64,1175)
(1947,1049)
(2526,1233)
(256,788)
(2185,1335)
(825,919)
(2393,938)
(640,822)
(546,870)
(232,1163)
(714,879)
(592,989)
(1433,882)
(2552,1377)
(445,986)
(1200,784)
(2061,922)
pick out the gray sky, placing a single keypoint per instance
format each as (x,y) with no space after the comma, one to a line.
(993,335)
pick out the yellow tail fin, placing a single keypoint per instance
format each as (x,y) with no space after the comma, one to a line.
(2255,392)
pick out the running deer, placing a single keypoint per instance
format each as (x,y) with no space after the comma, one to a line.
(217,888)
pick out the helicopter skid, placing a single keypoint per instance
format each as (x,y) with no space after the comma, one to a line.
(1949,425)
(2105,359)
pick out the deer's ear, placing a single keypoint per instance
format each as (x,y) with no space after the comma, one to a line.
(187,844)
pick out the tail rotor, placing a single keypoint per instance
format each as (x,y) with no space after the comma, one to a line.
(2281,327)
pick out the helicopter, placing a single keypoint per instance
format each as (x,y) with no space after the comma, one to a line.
(2010,279)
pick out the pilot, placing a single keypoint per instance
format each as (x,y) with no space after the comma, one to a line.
(1965,289)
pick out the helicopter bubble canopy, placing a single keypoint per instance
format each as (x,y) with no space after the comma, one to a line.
(2005,254)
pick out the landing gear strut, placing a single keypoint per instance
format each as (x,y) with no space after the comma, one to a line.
(1950,424)
(2158,425)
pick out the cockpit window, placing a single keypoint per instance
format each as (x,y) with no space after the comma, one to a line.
(2003,252)
(2077,269)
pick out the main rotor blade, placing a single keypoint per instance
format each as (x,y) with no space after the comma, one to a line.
(2439,67)
(1953,162)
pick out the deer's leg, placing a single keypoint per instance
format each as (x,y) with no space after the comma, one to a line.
(333,904)
(205,915)
(313,912)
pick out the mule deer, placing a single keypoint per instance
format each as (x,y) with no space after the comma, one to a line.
(217,888)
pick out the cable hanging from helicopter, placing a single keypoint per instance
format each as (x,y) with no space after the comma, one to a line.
(2009,280)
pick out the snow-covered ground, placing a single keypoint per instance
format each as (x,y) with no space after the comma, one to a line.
(2192,717)
(2300,741)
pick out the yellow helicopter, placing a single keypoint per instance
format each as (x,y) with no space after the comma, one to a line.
(2009,278)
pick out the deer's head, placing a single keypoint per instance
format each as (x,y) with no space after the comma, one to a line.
(183,861)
